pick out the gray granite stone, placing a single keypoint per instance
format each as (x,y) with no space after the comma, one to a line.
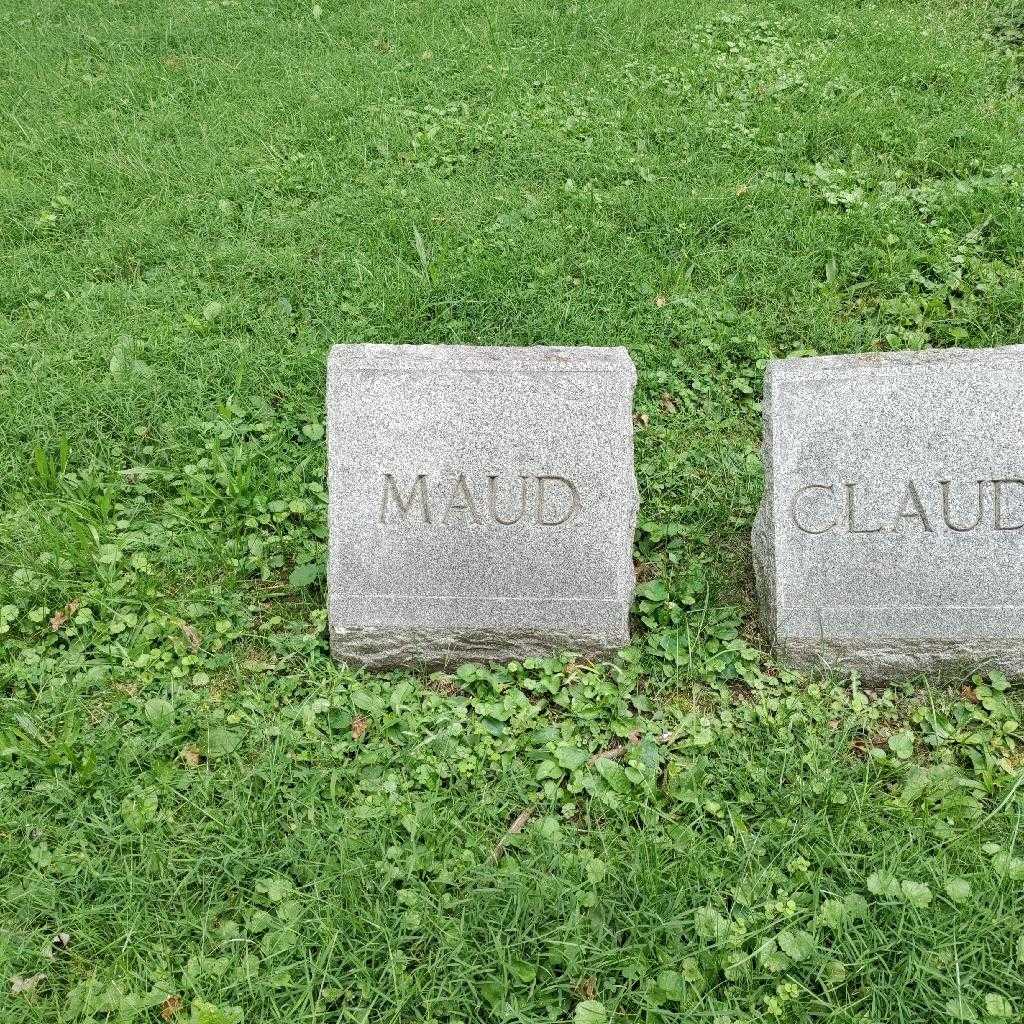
(482,502)
(890,540)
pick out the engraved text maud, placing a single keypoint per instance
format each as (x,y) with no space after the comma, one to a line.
(490,500)
(922,507)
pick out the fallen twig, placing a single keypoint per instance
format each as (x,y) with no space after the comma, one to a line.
(611,754)
(614,753)
(515,828)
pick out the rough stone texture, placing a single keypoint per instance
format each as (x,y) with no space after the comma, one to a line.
(891,535)
(455,534)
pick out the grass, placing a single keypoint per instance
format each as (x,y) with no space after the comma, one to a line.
(201,817)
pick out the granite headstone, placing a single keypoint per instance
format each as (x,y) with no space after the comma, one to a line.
(891,535)
(482,502)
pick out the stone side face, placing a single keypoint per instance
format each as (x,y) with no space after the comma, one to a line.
(890,540)
(482,502)
(762,535)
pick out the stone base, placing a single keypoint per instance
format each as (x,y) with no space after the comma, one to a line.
(892,659)
(444,649)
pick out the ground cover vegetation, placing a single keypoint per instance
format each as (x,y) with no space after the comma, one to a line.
(202,819)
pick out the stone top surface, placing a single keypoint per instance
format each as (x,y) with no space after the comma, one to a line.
(470,358)
(893,516)
(886,362)
(482,501)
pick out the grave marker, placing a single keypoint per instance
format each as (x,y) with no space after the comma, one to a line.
(891,535)
(482,502)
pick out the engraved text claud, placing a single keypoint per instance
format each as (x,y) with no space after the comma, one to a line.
(912,507)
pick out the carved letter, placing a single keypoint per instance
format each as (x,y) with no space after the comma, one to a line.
(492,503)
(997,490)
(461,489)
(419,487)
(829,488)
(945,508)
(573,504)
(918,512)
(851,526)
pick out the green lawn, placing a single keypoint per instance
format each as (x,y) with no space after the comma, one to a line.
(201,817)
